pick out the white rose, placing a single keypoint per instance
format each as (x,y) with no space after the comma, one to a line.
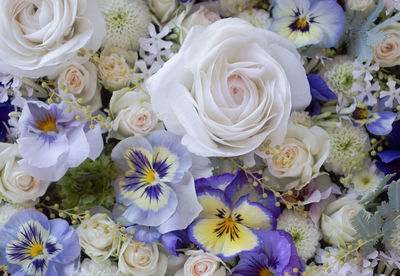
(81,81)
(299,158)
(336,221)
(387,53)
(360,5)
(132,113)
(38,36)
(140,259)
(99,244)
(201,263)
(114,69)
(17,186)
(163,9)
(229,88)
(202,16)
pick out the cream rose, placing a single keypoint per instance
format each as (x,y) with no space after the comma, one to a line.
(98,243)
(114,70)
(336,221)
(38,36)
(163,9)
(141,259)
(360,5)
(81,81)
(387,53)
(202,16)
(299,158)
(229,88)
(17,186)
(132,114)
(201,263)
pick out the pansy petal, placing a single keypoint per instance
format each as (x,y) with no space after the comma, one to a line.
(68,238)
(170,158)
(151,205)
(253,215)
(388,155)
(218,181)
(383,124)
(139,144)
(222,237)
(188,207)
(214,204)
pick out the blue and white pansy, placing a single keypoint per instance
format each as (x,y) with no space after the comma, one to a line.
(156,187)
(52,140)
(31,244)
(309,22)
(226,225)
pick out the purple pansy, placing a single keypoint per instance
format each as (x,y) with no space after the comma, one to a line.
(277,256)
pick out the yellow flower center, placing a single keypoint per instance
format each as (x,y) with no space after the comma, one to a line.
(49,124)
(37,250)
(301,23)
(265,272)
(150,176)
(228,227)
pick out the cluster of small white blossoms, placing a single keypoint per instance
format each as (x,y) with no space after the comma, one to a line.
(256,17)
(126,22)
(349,146)
(338,74)
(304,233)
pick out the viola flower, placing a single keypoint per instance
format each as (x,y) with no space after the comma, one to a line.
(308,22)
(320,92)
(278,256)
(5,109)
(156,187)
(378,123)
(390,157)
(52,140)
(226,225)
(33,245)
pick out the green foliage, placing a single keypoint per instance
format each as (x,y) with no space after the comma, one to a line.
(381,187)
(89,185)
(367,225)
(394,196)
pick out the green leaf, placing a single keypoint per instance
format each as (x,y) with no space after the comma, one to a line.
(367,225)
(394,195)
(381,187)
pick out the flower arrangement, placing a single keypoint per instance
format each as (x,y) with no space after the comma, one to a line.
(188,138)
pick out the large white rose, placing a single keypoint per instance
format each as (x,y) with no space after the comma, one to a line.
(201,263)
(336,221)
(37,36)
(140,259)
(230,87)
(17,186)
(98,243)
(300,157)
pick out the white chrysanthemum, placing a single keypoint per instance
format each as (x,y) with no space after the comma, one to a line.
(366,181)
(257,17)
(338,75)
(304,233)
(126,22)
(349,146)
(301,118)
(90,268)
(7,211)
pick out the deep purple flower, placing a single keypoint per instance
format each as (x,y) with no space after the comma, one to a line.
(389,162)
(320,92)
(30,244)
(5,109)
(277,256)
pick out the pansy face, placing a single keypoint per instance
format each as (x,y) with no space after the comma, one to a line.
(151,164)
(225,229)
(306,22)
(33,248)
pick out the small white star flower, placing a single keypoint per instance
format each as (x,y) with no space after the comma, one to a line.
(366,69)
(154,49)
(393,93)
(366,92)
